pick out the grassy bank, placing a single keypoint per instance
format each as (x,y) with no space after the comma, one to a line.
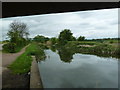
(107,48)
(23,62)
(104,50)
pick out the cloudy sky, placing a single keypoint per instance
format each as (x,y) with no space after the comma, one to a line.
(91,24)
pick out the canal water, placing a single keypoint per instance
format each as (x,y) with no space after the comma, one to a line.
(80,71)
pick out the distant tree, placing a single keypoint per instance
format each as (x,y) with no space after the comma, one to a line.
(73,38)
(53,40)
(81,38)
(46,39)
(5,41)
(40,38)
(18,30)
(111,41)
(65,36)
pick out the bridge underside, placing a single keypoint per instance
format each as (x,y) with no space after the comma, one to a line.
(12,9)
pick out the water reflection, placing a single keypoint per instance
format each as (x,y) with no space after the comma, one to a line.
(53,48)
(66,55)
(84,71)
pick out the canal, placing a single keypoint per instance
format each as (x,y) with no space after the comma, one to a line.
(78,71)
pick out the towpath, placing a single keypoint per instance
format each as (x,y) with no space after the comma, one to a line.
(10,80)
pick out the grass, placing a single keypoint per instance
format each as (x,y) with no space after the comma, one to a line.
(18,49)
(83,42)
(107,48)
(23,63)
(111,41)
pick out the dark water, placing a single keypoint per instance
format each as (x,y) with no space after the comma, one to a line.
(78,71)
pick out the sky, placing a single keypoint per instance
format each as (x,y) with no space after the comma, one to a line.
(92,24)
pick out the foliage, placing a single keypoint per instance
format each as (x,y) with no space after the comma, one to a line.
(18,30)
(65,36)
(42,46)
(9,47)
(5,41)
(53,40)
(53,48)
(37,50)
(73,38)
(18,34)
(66,54)
(96,48)
(77,43)
(111,42)
(81,38)
(40,38)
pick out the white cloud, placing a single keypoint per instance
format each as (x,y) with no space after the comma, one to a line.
(92,24)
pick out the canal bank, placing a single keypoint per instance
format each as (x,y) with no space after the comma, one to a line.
(35,79)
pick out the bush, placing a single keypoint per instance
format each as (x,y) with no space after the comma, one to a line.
(42,46)
(9,47)
(35,49)
(111,42)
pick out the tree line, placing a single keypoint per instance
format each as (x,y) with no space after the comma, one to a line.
(64,36)
(18,37)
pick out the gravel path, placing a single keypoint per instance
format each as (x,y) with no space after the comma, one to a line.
(8,58)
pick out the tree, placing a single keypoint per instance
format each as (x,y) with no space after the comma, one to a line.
(73,38)
(65,36)
(18,34)
(81,38)
(53,40)
(40,38)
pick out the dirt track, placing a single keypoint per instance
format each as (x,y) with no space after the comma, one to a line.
(8,58)
(10,80)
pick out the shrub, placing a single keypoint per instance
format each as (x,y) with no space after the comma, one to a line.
(35,49)
(9,47)
(111,42)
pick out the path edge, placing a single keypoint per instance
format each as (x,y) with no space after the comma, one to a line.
(35,79)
